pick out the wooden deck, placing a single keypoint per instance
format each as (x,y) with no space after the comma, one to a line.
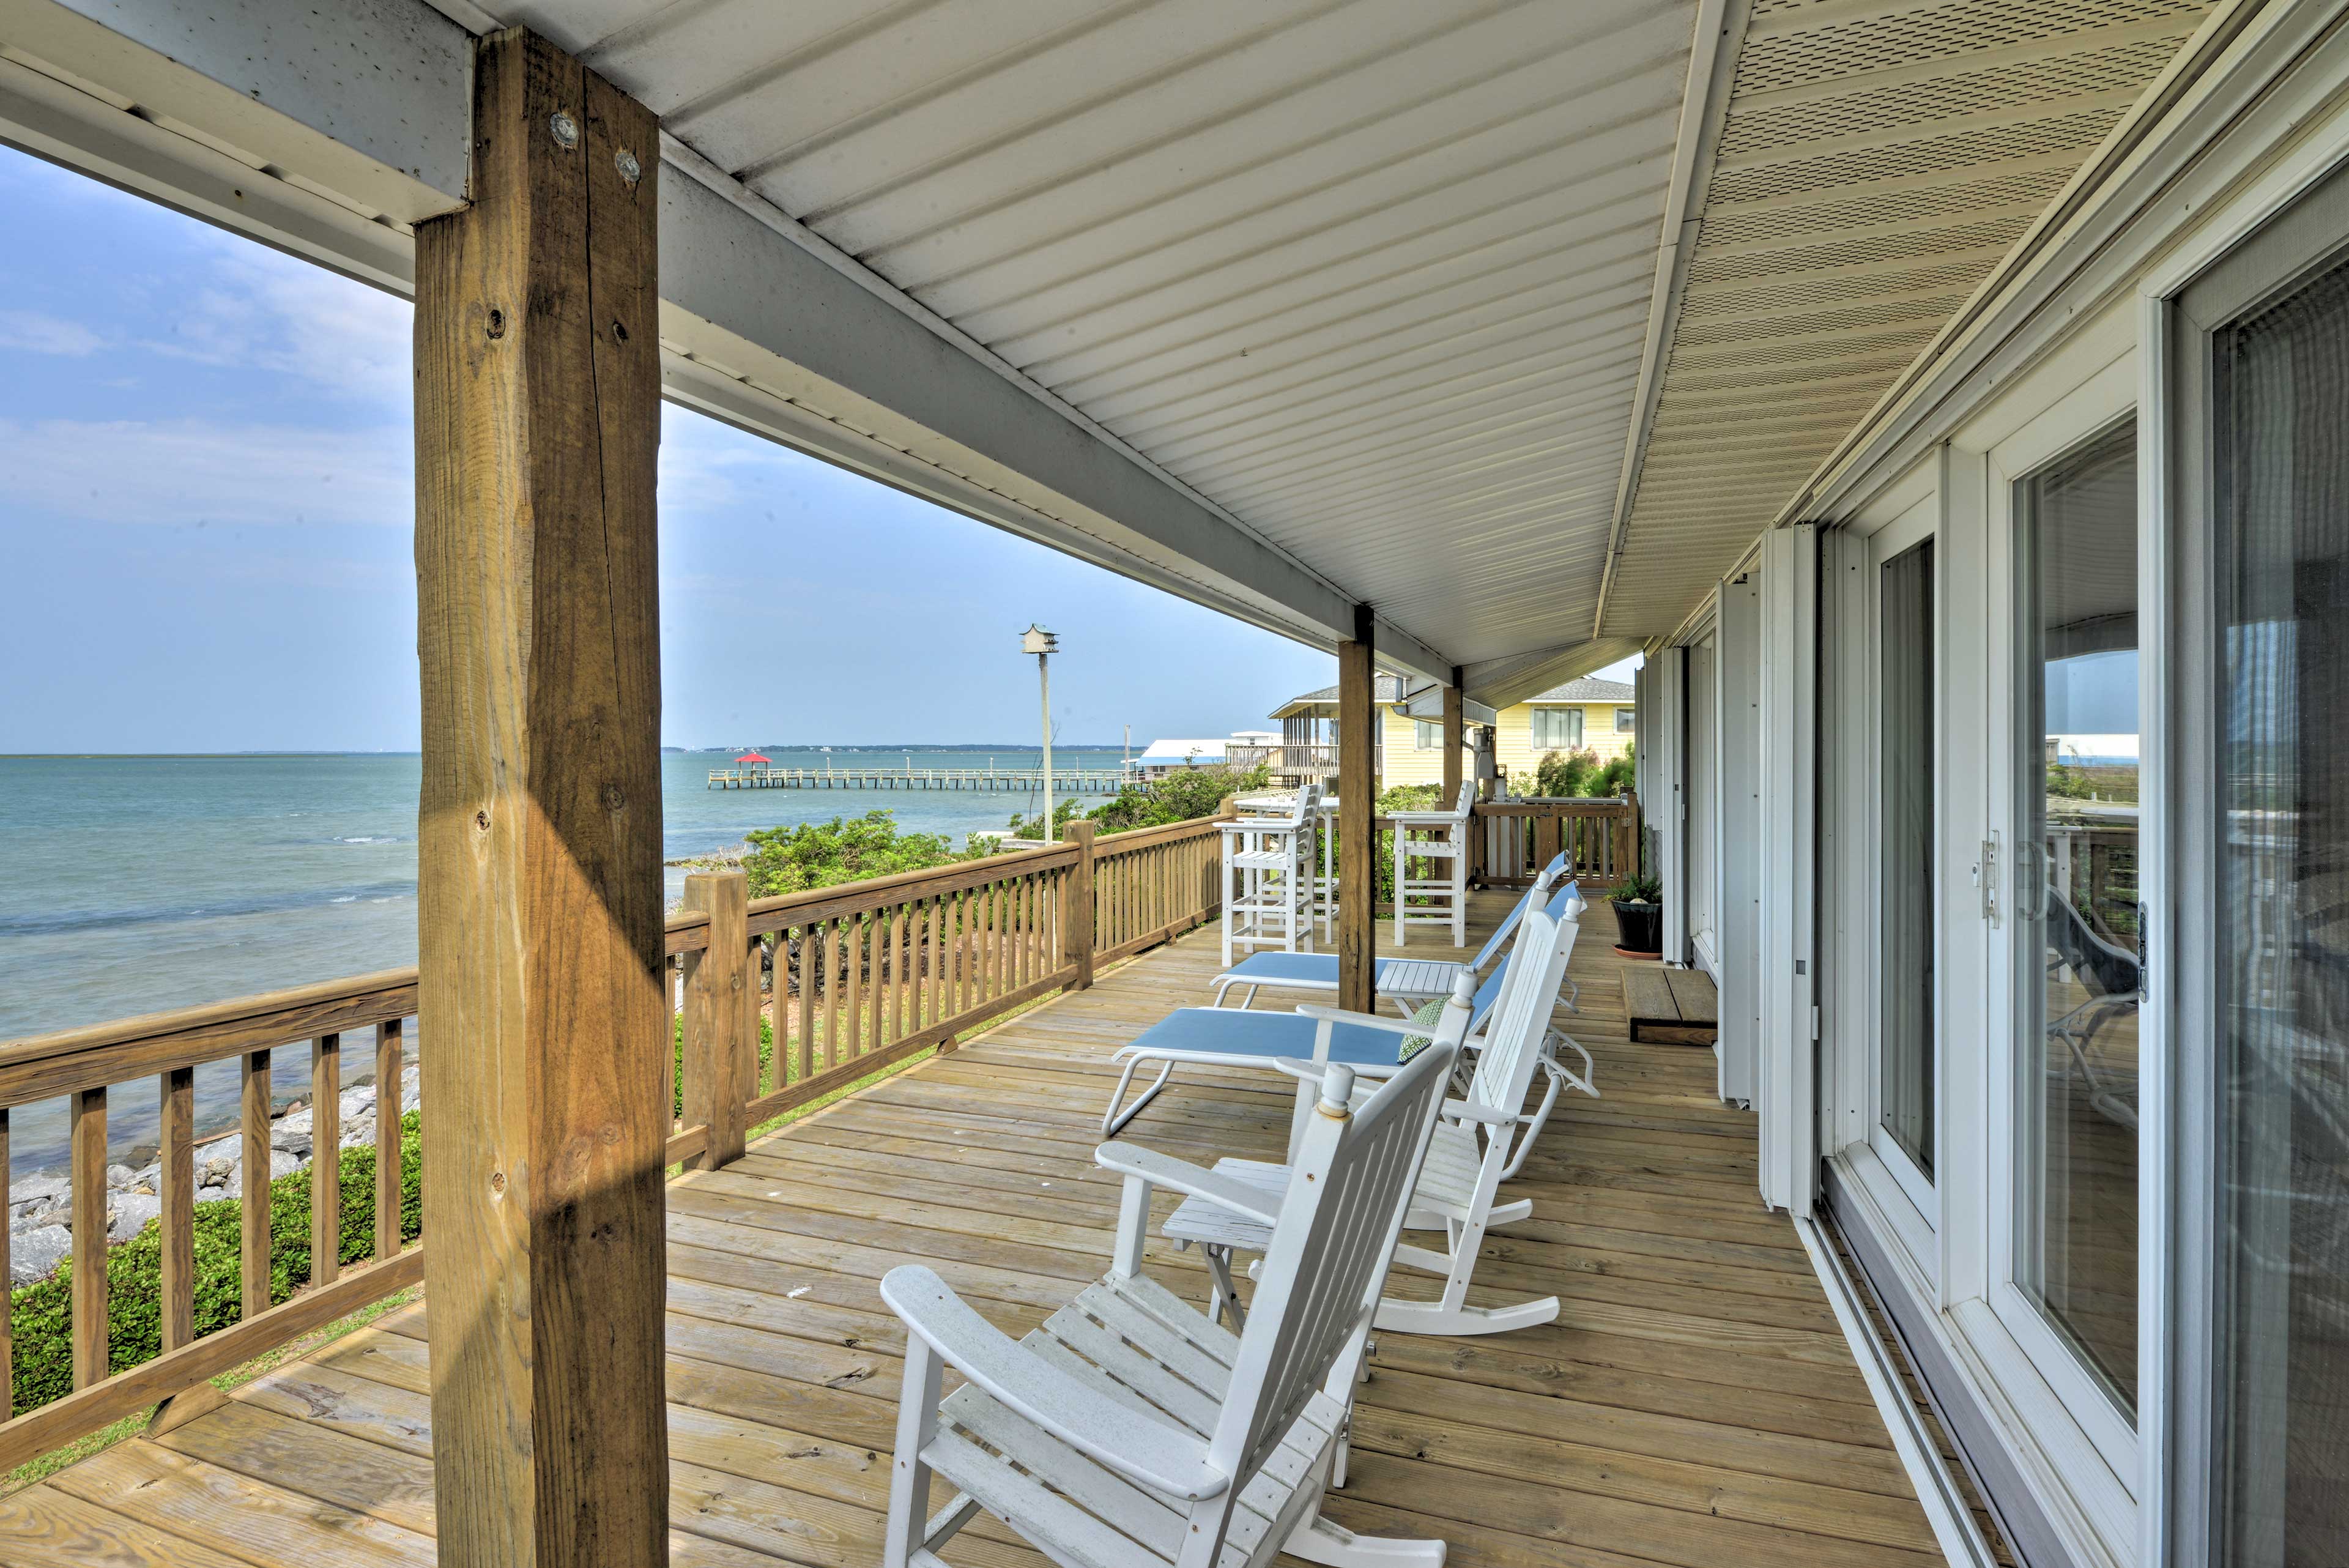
(1694,1404)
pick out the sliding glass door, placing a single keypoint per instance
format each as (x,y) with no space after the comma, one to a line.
(2077,967)
(1907,1066)
(2276,944)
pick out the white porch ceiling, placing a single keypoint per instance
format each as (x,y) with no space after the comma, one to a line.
(1877,162)
(1373,277)
(1286,305)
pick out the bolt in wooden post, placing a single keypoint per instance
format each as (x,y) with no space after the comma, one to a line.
(1076,906)
(722,1017)
(1358,839)
(537,366)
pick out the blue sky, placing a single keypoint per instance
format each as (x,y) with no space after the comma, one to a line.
(206,506)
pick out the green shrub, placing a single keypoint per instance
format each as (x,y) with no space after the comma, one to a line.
(1183,796)
(845,849)
(42,1312)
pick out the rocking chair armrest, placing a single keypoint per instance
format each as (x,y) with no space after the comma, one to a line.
(1134,1161)
(1148,1452)
(1470,1111)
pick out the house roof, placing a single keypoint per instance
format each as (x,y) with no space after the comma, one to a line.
(1590,689)
(1176,750)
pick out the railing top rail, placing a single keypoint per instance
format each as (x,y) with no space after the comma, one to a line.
(41,1065)
(1603,807)
(1135,838)
(221,1028)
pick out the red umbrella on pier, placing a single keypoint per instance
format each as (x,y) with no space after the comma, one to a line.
(750,757)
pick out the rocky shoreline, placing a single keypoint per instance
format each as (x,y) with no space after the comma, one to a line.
(41,1207)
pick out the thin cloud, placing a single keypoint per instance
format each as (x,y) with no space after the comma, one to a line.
(194,471)
(263,311)
(37,332)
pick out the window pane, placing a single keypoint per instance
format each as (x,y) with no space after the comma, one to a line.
(1427,734)
(1905,1078)
(2280,934)
(1625,718)
(2076,915)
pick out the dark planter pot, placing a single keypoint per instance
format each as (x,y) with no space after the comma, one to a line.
(1641,928)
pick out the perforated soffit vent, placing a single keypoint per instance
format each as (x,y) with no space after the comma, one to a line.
(1875,163)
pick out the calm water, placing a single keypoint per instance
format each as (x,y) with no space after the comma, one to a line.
(133,884)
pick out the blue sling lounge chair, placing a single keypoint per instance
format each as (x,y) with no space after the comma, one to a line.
(1241,1037)
(1406,982)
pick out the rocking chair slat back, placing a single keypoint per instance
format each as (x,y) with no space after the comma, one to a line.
(1327,1258)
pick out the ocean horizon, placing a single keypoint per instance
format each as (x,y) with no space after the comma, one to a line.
(138,882)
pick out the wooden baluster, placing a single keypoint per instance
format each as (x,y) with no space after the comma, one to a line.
(390,1184)
(325,1158)
(901,994)
(802,1049)
(859,943)
(926,1009)
(253,1242)
(89,1339)
(835,948)
(673,990)
(878,941)
(177,1232)
(1023,923)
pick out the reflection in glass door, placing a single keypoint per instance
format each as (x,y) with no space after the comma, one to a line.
(2279,940)
(2076,906)
(1905,1063)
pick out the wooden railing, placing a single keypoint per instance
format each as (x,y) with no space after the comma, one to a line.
(1295,759)
(1515,838)
(779,1002)
(1150,884)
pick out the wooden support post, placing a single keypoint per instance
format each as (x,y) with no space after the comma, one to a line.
(1358,840)
(1454,737)
(1076,908)
(539,842)
(721,1018)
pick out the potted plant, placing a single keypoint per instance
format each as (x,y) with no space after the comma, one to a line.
(1639,915)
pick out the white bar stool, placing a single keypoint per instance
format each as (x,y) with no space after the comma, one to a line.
(1445,894)
(1269,878)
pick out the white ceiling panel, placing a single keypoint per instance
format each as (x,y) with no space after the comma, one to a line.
(1378,279)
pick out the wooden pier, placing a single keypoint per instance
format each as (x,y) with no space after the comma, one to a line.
(1077,781)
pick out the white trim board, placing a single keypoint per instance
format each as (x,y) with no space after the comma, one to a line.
(1937,1492)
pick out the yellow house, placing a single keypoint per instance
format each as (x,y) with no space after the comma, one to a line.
(1588,714)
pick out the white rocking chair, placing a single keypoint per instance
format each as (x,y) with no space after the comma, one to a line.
(1128,1429)
(1415,839)
(1478,1143)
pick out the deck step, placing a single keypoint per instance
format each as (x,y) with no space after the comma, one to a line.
(1671,1006)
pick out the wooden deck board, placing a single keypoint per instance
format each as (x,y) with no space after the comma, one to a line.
(1694,1404)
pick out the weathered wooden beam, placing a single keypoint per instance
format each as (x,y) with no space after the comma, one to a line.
(721,1018)
(539,874)
(1077,907)
(1358,839)
(1454,737)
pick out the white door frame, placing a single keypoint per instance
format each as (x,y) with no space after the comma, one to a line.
(1738,644)
(1787,1080)
(1667,813)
